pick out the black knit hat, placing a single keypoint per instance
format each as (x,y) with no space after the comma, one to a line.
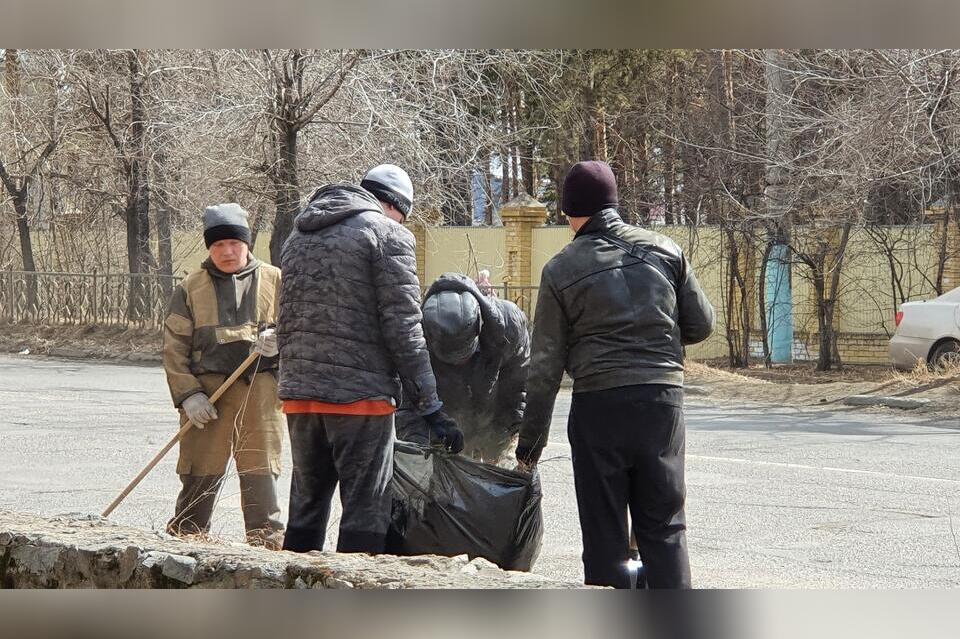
(589,188)
(225,222)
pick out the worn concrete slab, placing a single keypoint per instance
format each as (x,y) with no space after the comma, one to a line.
(890,402)
(86,551)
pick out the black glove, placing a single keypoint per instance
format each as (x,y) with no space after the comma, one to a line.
(444,429)
(528,456)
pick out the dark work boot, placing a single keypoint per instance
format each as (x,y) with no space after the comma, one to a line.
(195,503)
(261,511)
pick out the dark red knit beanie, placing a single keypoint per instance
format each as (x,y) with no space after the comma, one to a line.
(589,188)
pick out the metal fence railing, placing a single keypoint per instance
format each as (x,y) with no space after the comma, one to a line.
(125,299)
(117,299)
(523,296)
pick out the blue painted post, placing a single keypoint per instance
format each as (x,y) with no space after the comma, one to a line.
(779,299)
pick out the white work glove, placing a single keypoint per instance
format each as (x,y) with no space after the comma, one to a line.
(266,344)
(199,409)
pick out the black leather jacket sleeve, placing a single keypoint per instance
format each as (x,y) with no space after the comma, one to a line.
(694,311)
(547,363)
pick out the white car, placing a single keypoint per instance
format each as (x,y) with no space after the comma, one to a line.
(927,331)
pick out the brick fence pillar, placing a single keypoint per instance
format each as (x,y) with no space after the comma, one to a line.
(419,230)
(944,225)
(520,215)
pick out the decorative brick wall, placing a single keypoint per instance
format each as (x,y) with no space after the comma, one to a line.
(858,348)
(855,348)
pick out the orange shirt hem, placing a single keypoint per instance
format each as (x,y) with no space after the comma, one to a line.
(364,407)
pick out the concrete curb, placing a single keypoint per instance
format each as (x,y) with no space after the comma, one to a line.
(889,402)
(84,551)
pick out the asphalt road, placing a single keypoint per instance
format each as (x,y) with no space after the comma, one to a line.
(777,497)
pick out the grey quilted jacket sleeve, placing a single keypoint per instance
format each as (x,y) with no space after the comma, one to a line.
(398,302)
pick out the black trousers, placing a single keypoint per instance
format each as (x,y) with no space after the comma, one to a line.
(357,453)
(627,446)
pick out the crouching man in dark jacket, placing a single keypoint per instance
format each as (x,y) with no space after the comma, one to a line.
(349,331)
(615,308)
(480,348)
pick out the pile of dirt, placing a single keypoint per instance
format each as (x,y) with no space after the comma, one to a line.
(114,343)
(801,385)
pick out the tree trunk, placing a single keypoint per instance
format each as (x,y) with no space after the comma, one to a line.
(23,229)
(746,295)
(827,293)
(557,173)
(642,170)
(776,196)
(734,359)
(739,312)
(137,213)
(515,143)
(162,203)
(26,246)
(256,226)
(622,171)
(603,149)
(588,150)
(823,331)
(488,204)
(762,303)
(287,194)
(506,157)
(18,192)
(775,192)
(526,164)
(458,193)
(668,181)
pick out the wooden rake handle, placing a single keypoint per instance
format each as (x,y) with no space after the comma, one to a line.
(183,431)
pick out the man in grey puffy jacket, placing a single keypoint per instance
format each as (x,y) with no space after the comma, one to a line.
(615,308)
(480,349)
(349,331)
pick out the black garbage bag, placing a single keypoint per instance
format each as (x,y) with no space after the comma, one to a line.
(449,505)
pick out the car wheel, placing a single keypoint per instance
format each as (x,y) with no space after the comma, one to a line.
(945,355)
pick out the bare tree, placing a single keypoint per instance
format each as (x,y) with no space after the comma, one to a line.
(301,84)
(34,130)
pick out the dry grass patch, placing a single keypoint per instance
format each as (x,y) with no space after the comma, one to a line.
(706,372)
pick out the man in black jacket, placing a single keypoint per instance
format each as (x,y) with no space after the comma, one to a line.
(479,348)
(615,308)
(349,332)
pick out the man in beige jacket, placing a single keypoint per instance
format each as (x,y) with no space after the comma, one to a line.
(214,320)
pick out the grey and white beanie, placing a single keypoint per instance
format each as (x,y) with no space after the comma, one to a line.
(225,222)
(389,183)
